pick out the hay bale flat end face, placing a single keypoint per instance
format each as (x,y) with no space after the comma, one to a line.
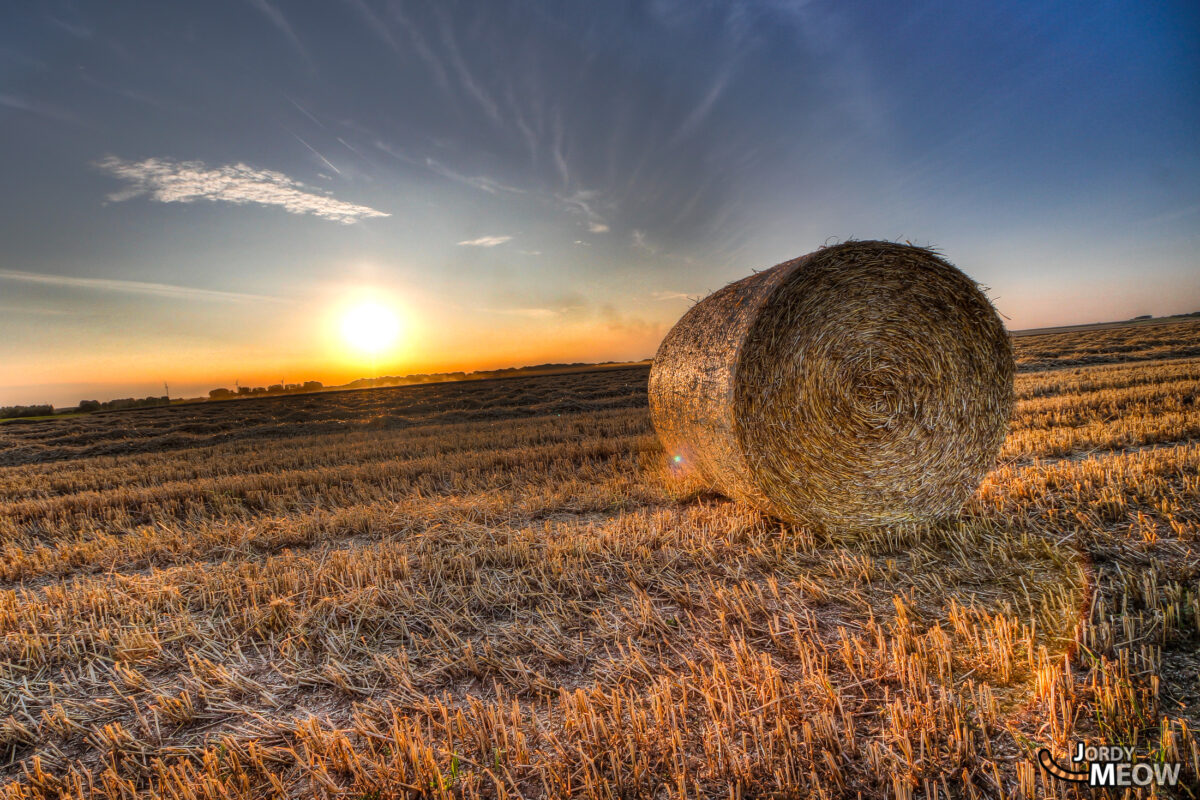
(864,384)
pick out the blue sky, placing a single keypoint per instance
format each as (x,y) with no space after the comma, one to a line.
(194,192)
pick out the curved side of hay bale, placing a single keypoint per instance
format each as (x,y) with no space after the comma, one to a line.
(693,381)
(863,384)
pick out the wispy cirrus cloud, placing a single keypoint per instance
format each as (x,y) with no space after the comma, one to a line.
(136,287)
(33,311)
(639,241)
(703,109)
(169,181)
(316,153)
(37,108)
(485,241)
(459,65)
(481,182)
(276,18)
(584,202)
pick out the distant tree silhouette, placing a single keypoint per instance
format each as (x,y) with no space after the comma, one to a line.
(7,412)
(131,402)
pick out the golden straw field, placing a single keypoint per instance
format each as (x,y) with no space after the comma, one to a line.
(507,589)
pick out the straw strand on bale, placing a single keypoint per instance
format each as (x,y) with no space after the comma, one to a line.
(864,384)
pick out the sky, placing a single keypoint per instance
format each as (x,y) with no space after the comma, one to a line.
(200,193)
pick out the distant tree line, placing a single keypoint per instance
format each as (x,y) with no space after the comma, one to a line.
(404,380)
(478,375)
(306,387)
(124,402)
(274,388)
(394,380)
(7,412)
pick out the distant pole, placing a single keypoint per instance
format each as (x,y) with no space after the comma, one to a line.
(166,391)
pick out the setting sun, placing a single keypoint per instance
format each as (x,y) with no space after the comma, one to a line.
(370,327)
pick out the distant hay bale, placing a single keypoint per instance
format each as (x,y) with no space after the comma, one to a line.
(863,384)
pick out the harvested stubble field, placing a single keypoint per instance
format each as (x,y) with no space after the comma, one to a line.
(505,589)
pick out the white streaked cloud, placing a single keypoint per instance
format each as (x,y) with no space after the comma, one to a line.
(1170,216)
(421,46)
(276,18)
(703,109)
(481,182)
(136,287)
(38,108)
(75,29)
(671,296)
(485,241)
(639,241)
(597,227)
(472,86)
(316,153)
(33,310)
(169,181)
(583,202)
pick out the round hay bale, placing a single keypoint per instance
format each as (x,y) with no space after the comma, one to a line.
(864,384)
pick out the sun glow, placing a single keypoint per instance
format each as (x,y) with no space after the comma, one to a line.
(370,327)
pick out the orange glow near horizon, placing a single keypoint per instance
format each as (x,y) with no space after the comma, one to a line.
(334,333)
(367,328)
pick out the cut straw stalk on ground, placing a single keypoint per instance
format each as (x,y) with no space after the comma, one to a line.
(460,603)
